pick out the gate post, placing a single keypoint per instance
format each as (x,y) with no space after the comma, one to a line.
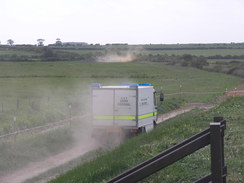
(217,151)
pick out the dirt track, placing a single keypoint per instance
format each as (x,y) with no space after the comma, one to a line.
(36,168)
(187,108)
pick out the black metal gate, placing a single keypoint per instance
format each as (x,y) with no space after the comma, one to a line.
(213,136)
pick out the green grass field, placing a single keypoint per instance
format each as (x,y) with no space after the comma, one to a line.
(38,93)
(173,131)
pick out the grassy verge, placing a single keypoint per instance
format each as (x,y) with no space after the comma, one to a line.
(167,134)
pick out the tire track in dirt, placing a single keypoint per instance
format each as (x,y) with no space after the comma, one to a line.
(238,91)
(182,110)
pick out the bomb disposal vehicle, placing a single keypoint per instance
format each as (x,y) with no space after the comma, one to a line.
(129,108)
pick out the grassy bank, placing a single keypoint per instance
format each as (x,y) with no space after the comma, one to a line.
(167,134)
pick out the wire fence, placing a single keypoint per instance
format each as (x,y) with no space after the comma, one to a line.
(192,93)
(8,104)
(42,127)
(70,109)
(18,114)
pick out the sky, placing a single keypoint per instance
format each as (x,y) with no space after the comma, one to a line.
(122,21)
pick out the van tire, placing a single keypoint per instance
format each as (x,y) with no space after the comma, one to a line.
(154,124)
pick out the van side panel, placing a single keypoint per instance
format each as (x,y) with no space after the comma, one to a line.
(146,107)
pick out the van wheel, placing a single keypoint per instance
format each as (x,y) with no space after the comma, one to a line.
(154,124)
(142,130)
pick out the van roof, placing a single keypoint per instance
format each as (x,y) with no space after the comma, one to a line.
(122,85)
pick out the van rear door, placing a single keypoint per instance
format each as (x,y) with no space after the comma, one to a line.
(103,107)
(125,107)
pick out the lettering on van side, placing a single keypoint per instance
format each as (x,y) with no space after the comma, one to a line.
(143,102)
(123,102)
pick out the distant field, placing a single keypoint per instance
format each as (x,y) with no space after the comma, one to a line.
(84,51)
(89,53)
(205,53)
(195,52)
(225,60)
(31,77)
(42,92)
(15,52)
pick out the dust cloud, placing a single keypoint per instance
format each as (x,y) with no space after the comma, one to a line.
(113,57)
(120,55)
(56,146)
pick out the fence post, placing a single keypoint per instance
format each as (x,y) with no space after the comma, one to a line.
(15,127)
(224,167)
(17,104)
(70,116)
(216,146)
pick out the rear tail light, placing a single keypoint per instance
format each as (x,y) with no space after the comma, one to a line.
(133,130)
